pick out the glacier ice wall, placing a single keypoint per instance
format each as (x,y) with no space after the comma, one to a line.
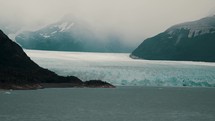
(119,69)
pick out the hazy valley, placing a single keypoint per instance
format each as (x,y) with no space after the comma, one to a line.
(116,60)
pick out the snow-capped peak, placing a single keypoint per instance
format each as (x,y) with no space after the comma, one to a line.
(65,26)
(195,28)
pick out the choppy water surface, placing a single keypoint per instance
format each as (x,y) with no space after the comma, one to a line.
(120,104)
(119,69)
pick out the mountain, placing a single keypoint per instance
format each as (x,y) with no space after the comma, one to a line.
(191,41)
(9,27)
(18,71)
(70,34)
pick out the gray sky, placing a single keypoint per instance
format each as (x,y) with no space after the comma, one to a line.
(134,19)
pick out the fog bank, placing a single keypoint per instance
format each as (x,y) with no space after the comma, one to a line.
(134,20)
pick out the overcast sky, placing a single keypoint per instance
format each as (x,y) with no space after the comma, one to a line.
(133,18)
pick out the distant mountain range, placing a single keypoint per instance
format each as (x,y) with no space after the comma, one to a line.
(70,34)
(18,71)
(190,41)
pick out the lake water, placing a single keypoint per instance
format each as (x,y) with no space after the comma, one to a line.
(120,104)
(119,69)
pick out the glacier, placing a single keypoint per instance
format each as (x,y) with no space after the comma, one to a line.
(120,70)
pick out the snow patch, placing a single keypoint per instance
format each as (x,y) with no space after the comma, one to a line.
(65,26)
(195,28)
(178,39)
(54,32)
(44,35)
(68,27)
(170,32)
(62,27)
(193,32)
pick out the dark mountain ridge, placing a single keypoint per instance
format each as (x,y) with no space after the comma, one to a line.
(191,41)
(18,71)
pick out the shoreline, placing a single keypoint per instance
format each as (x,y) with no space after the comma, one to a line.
(55,85)
(69,85)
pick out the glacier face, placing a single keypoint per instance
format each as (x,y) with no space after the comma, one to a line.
(121,70)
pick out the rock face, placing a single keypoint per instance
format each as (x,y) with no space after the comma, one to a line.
(191,41)
(97,83)
(70,34)
(18,71)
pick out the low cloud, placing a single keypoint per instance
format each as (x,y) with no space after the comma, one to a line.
(134,20)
